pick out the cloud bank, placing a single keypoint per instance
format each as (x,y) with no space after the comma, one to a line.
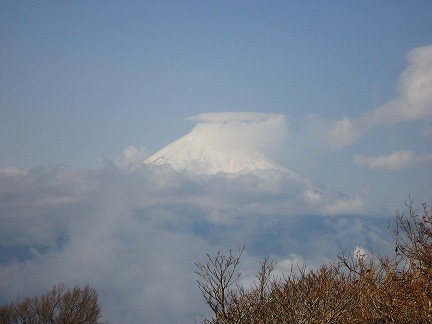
(413,102)
(134,231)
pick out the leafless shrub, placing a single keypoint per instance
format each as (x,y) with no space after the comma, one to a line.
(414,238)
(217,279)
(361,288)
(59,305)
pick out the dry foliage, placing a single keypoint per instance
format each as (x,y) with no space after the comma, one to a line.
(360,288)
(59,305)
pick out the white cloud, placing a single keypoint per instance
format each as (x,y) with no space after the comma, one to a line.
(345,206)
(241,130)
(395,161)
(345,132)
(12,171)
(131,157)
(414,102)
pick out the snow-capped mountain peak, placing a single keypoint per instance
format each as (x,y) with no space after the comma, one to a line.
(190,155)
(222,142)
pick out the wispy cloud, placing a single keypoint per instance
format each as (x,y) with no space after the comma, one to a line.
(131,157)
(344,206)
(395,161)
(414,102)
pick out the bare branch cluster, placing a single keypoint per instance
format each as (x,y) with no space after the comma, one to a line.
(59,305)
(359,288)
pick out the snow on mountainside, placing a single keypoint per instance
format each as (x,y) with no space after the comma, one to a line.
(189,154)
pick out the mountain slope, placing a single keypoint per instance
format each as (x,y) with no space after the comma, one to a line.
(197,155)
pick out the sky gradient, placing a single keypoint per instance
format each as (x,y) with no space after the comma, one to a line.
(83,80)
(89,90)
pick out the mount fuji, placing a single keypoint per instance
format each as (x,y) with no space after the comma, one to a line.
(191,154)
(232,144)
(221,142)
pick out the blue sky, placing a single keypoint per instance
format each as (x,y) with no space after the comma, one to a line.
(90,89)
(84,80)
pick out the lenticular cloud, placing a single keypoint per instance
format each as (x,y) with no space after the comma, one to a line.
(242,130)
(226,142)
